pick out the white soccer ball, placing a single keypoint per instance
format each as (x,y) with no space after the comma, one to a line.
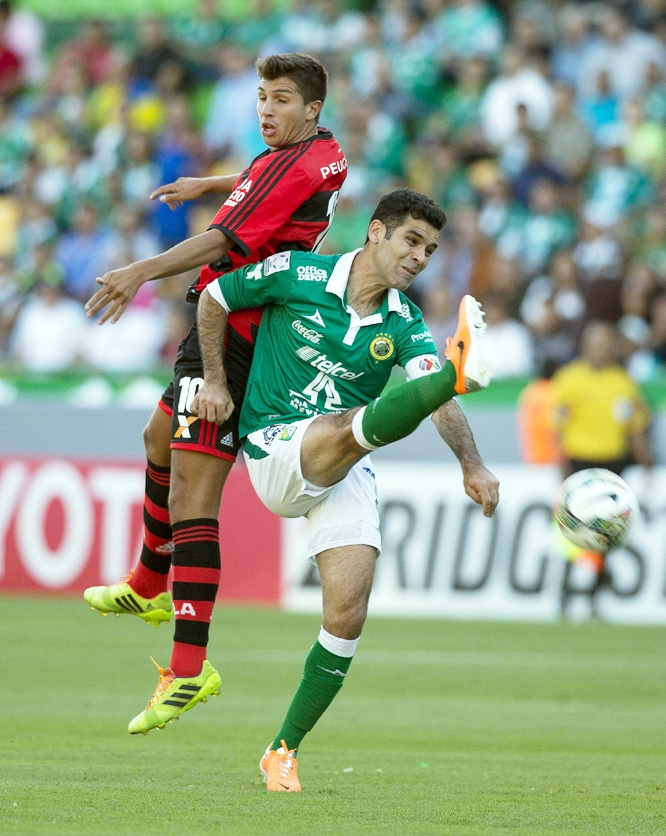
(595,509)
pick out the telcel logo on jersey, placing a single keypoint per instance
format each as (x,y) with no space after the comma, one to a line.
(334,369)
(310,273)
(308,334)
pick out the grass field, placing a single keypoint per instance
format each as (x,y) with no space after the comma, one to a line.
(442,728)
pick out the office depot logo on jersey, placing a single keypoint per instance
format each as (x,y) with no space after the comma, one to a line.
(276,263)
(310,273)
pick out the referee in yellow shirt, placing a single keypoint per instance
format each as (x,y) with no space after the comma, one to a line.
(602,419)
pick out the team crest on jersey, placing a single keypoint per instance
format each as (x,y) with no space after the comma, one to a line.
(381,348)
(276,263)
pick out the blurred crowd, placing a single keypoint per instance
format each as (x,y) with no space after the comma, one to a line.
(539,126)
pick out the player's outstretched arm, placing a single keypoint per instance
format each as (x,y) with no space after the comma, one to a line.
(213,402)
(479,483)
(119,287)
(192,188)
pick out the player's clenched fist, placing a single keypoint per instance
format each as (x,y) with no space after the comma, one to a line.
(212,403)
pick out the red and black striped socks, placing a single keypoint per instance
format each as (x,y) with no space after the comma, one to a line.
(196,578)
(151,573)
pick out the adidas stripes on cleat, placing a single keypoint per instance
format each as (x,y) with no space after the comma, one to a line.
(120,598)
(465,348)
(174,695)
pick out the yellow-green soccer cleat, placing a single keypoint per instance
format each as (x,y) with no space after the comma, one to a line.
(174,695)
(120,598)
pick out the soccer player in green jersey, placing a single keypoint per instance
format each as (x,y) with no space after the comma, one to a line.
(332,329)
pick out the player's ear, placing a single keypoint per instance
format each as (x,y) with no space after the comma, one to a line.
(313,109)
(376,230)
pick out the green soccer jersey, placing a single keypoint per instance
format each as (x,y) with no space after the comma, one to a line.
(313,354)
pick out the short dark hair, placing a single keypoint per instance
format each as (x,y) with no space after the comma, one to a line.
(309,74)
(395,207)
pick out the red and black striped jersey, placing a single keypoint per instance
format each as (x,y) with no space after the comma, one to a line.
(284,200)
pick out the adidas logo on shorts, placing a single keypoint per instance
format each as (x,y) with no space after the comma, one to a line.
(228,440)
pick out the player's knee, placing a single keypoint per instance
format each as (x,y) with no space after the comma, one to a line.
(347,622)
(157,443)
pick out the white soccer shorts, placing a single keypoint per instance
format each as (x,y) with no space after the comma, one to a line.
(343,515)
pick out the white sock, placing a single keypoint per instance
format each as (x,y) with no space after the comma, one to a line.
(357,430)
(340,647)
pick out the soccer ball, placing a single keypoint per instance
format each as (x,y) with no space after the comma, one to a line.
(595,509)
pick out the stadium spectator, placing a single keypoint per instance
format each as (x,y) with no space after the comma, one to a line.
(599,106)
(634,352)
(49,330)
(574,40)
(458,114)
(179,152)
(543,227)
(153,58)
(288,194)
(469,28)
(196,36)
(645,144)
(16,144)
(553,307)
(11,67)
(232,141)
(83,252)
(92,49)
(24,34)
(307,440)
(622,51)
(568,142)
(517,83)
(508,340)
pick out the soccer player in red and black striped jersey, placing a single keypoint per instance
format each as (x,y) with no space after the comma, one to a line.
(284,200)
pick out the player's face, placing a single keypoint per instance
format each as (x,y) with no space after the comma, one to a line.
(283,115)
(406,253)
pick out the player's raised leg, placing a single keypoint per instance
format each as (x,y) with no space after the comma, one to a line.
(398,413)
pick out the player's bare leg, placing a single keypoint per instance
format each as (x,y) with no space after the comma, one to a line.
(346,576)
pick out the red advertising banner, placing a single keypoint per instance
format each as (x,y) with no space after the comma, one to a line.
(67,523)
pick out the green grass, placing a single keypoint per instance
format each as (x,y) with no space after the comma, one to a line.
(442,728)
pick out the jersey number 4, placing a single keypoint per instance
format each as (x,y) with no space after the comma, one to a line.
(323,383)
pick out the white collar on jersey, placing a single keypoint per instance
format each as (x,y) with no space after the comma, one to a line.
(340,276)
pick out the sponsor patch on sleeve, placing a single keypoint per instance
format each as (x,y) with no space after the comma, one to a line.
(276,263)
(429,363)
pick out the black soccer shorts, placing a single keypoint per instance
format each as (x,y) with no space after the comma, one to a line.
(188,432)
